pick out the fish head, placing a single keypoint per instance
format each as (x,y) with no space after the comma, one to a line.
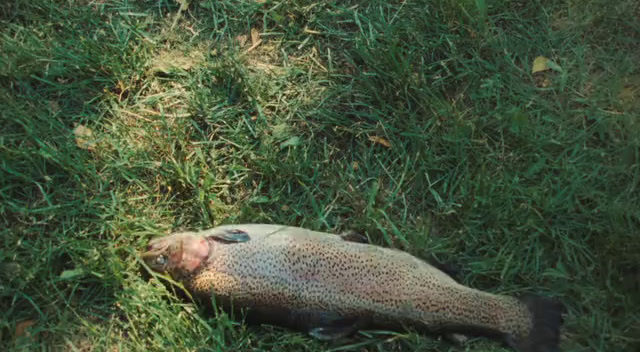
(179,254)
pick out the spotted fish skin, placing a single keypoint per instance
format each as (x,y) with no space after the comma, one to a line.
(300,277)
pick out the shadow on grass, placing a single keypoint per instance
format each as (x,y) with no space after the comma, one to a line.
(416,123)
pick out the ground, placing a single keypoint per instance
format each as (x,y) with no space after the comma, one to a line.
(421,124)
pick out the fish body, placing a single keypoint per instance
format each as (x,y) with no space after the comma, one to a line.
(329,286)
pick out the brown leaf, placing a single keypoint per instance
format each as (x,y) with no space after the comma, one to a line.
(255,39)
(255,36)
(184,4)
(242,39)
(546,82)
(10,271)
(627,94)
(21,328)
(380,140)
(84,137)
(311,31)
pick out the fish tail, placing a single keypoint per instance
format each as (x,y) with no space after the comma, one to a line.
(544,335)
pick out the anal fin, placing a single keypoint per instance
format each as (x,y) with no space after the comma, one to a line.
(456,339)
(338,328)
(327,333)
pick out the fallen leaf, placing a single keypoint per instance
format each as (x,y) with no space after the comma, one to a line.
(184,4)
(311,31)
(70,274)
(242,39)
(543,82)
(380,140)
(542,63)
(84,137)
(255,36)
(21,328)
(560,22)
(627,94)
(10,271)
(255,39)
(291,142)
(261,199)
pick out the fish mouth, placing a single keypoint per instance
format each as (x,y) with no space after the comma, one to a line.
(178,252)
(155,248)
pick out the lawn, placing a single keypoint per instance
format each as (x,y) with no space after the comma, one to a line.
(418,123)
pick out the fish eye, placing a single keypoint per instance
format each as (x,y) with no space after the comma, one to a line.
(161,260)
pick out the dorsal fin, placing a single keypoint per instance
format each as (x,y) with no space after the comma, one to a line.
(449,268)
(353,236)
(229,236)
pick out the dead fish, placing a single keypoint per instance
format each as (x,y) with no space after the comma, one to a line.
(334,285)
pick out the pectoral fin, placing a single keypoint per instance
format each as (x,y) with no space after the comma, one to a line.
(229,236)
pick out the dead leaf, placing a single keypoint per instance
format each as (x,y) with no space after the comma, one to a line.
(355,166)
(242,39)
(184,4)
(546,82)
(542,63)
(291,142)
(10,271)
(560,22)
(284,207)
(255,36)
(21,328)
(627,94)
(311,31)
(380,140)
(255,39)
(84,137)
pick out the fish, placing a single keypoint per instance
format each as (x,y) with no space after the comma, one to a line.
(332,285)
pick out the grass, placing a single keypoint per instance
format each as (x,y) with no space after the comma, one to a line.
(528,181)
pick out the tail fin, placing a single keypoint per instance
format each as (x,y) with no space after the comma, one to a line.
(547,320)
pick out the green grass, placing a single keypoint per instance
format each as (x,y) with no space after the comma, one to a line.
(529,182)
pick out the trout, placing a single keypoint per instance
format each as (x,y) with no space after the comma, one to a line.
(330,286)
